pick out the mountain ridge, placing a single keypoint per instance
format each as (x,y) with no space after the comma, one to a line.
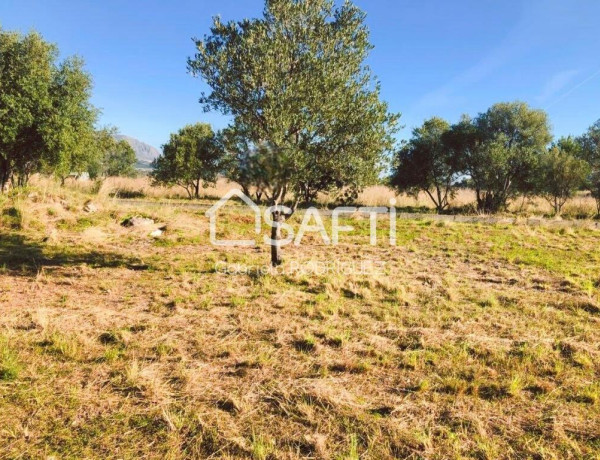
(145,153)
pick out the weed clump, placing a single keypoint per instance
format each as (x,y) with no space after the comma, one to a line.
(10,366)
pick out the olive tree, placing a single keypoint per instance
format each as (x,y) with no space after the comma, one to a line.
(426,164)
(70,129)
(110,157)
(590,151)
(499,151)
(192,158)
(46,119)
(295,83)
(561,172)
(120,160)
(103,143)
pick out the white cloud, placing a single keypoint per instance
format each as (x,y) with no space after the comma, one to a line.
(557,83)
(572,89)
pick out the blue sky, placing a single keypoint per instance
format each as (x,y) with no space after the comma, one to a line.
(433,57)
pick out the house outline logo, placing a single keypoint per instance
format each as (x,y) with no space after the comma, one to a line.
(212,214)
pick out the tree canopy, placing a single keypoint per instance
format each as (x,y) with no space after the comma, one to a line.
(192,158)
(46,118)
(561,172)
(120,160)
(426,164)
(590,144)
(590,151)
(499,151)
(295,83)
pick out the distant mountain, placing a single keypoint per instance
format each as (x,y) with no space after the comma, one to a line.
(144,153)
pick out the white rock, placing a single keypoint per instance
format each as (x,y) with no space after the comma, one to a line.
(156,233)
(90,207)
(137,221)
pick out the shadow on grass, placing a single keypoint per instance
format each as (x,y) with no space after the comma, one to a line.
(25,257)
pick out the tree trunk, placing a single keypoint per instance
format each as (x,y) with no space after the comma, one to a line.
(278,217)
(438,205)
(4,174)
(479,200)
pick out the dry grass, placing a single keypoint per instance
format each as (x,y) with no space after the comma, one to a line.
(474,342)
(380,195)
(581,206)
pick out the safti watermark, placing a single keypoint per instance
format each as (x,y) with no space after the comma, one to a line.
(365,267)
(312,222)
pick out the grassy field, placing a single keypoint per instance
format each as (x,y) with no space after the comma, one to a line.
(463,341)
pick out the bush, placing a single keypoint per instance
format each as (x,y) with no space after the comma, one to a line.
(128,194)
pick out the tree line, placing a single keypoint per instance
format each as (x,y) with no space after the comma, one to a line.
(503,152)
(47,122)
